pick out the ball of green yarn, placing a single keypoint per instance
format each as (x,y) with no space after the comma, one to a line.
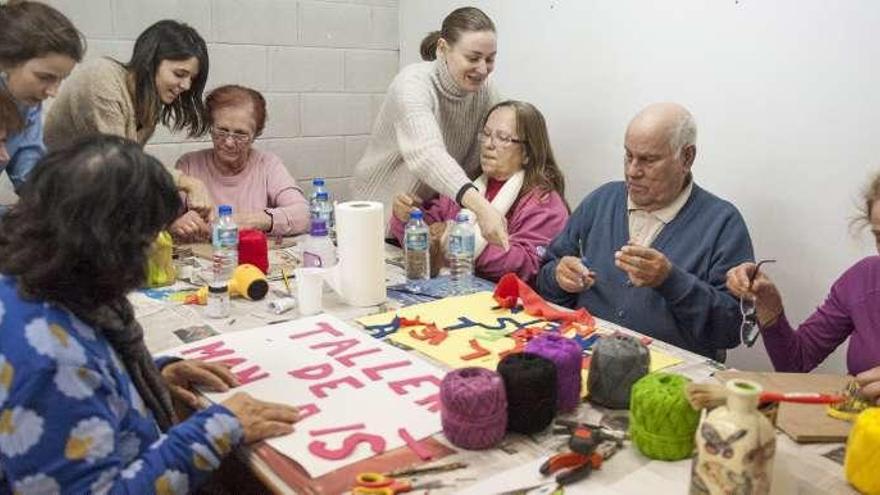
(662,423)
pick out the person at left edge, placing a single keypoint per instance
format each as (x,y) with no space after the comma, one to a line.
(39,47)
(659,244)
(161,83)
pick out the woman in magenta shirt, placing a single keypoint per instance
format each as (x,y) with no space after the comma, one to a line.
(257,185)
(851,310)
(520,179)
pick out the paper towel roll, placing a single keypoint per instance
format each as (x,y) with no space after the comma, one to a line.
(360,274)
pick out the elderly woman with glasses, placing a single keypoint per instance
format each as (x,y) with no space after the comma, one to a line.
(520,179)
(849,312)
(257,185)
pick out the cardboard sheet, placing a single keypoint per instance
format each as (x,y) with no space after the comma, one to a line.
(355,394)
(804,423)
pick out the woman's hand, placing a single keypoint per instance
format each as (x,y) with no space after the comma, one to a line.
(869,381)
(190,227)
(197,196)
(404,204)
(768,300)
(259,419)
(492,223)
(184,377)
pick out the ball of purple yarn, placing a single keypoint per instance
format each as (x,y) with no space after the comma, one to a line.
(566,355)
(473,408)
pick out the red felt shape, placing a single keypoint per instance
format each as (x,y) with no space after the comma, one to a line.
(511,288)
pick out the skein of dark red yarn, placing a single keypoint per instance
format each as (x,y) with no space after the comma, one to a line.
(530,384)
(473,408)
(566,354)
(253,248)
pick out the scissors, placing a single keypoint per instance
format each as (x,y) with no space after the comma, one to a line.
(379,484)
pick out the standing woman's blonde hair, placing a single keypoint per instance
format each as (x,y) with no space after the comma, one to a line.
(540,169)
(461,20)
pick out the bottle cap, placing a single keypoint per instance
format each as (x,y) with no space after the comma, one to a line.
(323,196)
(318,227)
(462,217)
(224,210)
(318,181)
(415,215)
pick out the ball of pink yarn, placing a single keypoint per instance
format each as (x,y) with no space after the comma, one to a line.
(566,354)
(473,408)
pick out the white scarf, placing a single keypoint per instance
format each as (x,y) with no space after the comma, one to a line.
(502,202)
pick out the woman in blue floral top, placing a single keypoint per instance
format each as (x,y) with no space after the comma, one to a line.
(83,406)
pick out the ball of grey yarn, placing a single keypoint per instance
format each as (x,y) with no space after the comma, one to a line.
(618,362)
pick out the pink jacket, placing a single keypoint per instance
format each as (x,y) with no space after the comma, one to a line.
(532,222)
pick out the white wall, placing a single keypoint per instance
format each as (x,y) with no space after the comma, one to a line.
(785,93)
(322,65)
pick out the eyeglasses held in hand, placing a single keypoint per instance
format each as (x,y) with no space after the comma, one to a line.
(500,140)
(749,329)
(238,137)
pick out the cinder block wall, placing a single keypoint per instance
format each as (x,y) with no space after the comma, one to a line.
(322,65)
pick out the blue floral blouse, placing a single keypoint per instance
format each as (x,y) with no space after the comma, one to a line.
(71,421)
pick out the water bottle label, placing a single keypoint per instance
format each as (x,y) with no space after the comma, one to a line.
(225,237)
(417,241)
(459,244)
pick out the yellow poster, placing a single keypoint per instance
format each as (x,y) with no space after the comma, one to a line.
(470,331)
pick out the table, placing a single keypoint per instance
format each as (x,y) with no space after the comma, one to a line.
(798,469)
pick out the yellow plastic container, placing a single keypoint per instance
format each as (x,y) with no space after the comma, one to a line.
(160,265)
(862,462)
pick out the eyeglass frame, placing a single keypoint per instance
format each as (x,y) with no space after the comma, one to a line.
(499,141)
(237,137)
(750,329)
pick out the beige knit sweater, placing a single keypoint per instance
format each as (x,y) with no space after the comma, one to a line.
(94,99)
(424,140)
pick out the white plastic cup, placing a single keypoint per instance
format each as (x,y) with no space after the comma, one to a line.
(309,289)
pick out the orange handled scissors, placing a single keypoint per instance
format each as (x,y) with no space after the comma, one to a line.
(379,484)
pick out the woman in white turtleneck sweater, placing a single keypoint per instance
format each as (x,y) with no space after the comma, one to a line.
(424,141)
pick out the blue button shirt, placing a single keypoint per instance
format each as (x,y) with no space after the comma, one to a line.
(26,147)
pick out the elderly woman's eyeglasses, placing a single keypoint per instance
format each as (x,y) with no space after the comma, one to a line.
(500,140)
(238,137)
(749,329)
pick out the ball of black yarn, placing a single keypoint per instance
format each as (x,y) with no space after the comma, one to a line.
(530,383)
(618,362)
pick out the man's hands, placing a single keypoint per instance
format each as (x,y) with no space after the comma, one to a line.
(646,267)
(572,276)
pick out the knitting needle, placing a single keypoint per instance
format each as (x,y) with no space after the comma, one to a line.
(440,468)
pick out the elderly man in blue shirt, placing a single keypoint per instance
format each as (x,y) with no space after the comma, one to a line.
(651,253)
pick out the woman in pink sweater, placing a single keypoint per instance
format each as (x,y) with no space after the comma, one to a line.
(261,191)
(520,179)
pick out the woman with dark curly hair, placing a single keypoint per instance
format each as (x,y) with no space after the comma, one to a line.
(83,406)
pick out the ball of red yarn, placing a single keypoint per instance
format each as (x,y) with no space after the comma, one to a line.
(566,354)
(253,248)
(473,408)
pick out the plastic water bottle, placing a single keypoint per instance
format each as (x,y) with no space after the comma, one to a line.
(225,242)
(321,205)
(319,250)
(416,245)
(460,254)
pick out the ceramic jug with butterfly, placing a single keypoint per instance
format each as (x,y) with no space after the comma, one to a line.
(735,446)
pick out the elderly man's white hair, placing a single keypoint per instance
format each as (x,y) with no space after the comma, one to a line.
(677,120)
(683,132)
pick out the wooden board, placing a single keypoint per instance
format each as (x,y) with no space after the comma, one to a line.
(804,423)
